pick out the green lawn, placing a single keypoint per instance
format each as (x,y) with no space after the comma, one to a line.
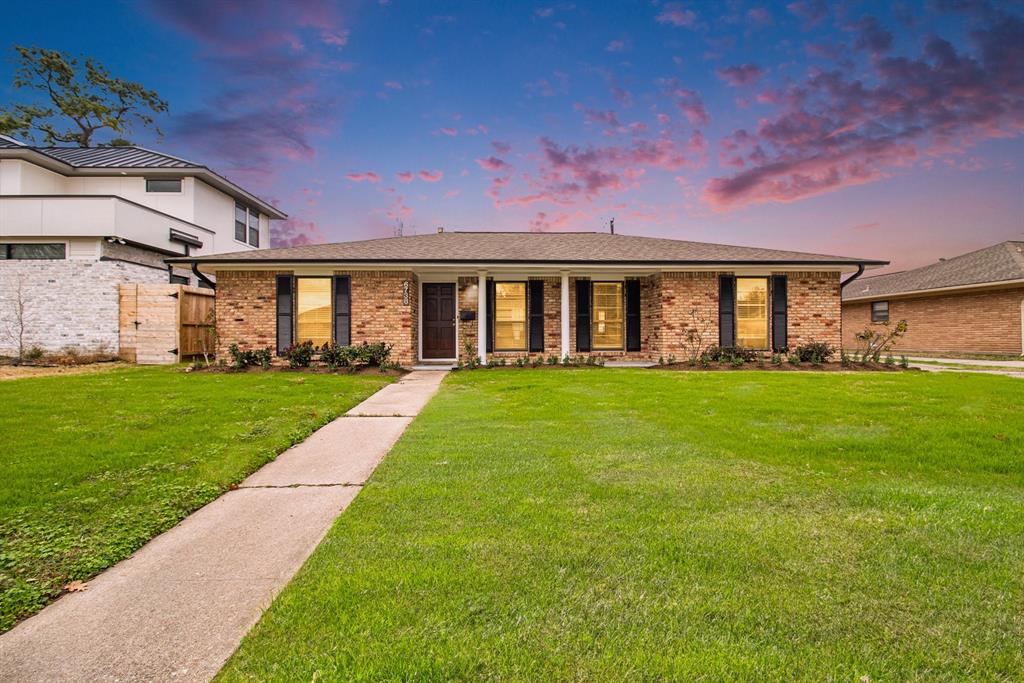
(92,466)
(639,525)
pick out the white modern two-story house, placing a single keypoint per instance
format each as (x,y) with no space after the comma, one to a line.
(76,222)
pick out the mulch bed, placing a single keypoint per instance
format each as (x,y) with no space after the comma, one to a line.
(312,370)
(787,367)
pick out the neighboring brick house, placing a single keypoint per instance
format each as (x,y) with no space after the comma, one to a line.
(455,295)
(972,303)
(76,222)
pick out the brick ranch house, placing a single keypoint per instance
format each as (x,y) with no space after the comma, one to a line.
(972,303)
(453,295)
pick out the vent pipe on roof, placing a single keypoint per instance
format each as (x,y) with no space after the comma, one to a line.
(440,229)
(611,226)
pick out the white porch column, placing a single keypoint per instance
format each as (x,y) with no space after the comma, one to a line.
(481,317)
(565,314)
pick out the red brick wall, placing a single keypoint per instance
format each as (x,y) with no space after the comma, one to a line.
(468,301)
(687,300)
(815,308)
(246,307)
(978,322)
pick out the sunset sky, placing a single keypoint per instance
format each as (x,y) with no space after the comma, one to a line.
(883,130)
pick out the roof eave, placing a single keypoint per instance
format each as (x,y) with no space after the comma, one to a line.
(214,260)
(991,284)
(203,172)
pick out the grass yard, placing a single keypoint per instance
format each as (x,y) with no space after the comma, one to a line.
(93,466)
(639,525)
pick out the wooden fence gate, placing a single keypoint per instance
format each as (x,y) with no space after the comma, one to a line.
(162,324)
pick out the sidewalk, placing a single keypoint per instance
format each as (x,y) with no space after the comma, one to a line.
(177,608)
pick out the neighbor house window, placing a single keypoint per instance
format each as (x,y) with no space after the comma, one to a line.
(879,311)
(247,225)
(240,222)
(606,322)
(163,184)
(510,316)
(752,312)
(254,228)
(32,252)
(313,310)
(179,280)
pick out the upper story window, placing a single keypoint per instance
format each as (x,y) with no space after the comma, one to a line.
(163,184)
(247,225)
(879,311)
(32,251)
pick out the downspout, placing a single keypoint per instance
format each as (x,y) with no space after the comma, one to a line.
(202,278)
(860,271)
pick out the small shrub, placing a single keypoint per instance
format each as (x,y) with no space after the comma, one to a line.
(671,360)
(299,355)
(737,361)
(263,357)
(727,354)
(552,359)
(904,363)
(537,362)
(813,352)
(844,359)
(335,356)
(241,359)
(34,354)
(520,361)
(878,342)
(661,360)
(776,359)
(890,361)
(373,354)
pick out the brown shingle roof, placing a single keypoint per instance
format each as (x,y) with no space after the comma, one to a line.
(526,247)
(998,263)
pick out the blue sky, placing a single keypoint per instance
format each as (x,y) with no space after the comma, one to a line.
(888,130)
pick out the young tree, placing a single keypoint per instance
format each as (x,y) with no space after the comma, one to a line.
(14,331)
(80,101)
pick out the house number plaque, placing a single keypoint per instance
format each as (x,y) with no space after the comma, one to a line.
(406,287)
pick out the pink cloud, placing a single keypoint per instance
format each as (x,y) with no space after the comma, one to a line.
(430,176)
(405,176)
(452,193)
(367,176)
(617,45)
(449,131)
(392,85)
(295,232)
(811,11)
(501,147)
(492,163)
(676,15)
(834,131)
(687,101)
(742,75)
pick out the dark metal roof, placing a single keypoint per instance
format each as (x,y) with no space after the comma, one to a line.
(991,265)
(527,247)
(115,157)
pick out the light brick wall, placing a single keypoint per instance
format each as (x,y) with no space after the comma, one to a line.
(68,304)
(246,307)
(687,300)
(380,314)
(978,322)
(815,308)
(247,310)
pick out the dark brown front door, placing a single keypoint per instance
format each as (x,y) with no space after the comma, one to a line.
(438,320)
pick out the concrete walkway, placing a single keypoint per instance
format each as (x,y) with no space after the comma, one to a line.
(177,608)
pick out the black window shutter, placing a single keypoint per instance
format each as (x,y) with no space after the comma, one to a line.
(342,310)
(632,315)
(490,316)
(285,287)
(780,307)
(583,295)
(536,316)
(727,311)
